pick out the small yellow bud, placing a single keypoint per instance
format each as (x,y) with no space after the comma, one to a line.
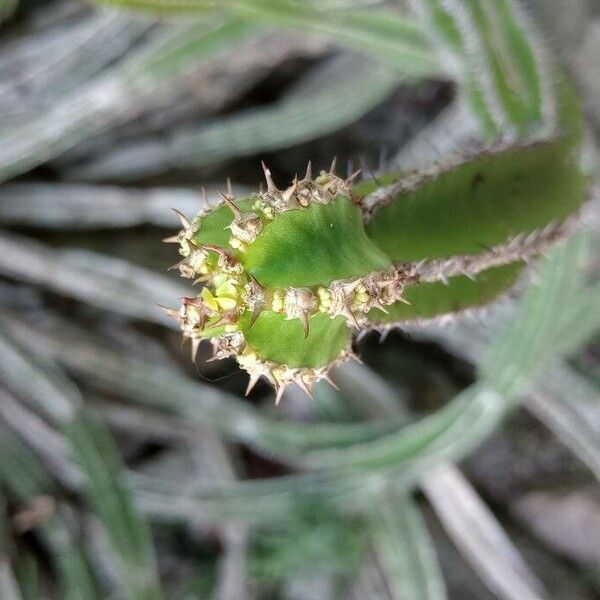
(192,314)
(277,304)
(219,279)
(226,303)
(209,300)
(323,178)
(227,290)
(324,296)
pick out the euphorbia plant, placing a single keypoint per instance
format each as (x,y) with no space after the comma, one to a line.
(289,276)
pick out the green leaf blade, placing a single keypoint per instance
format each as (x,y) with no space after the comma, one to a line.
(128,533)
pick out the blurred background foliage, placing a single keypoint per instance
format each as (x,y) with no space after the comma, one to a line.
(459,461)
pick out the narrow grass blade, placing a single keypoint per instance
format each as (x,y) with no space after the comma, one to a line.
(76,579)
(405,550)
(26,480)
(478,535)
(110,283)
(462,58)
(107,100)
(28,576)
(569,405)
(179,50)
(493,49)
(523,80)
(369,583)
(107,492)
(290,121)
(46,63)
(20,472)
(232,575)
(382,33)
(46,442)
(53,398)
(93,450)
(559,313)
(72,206)
(9,588)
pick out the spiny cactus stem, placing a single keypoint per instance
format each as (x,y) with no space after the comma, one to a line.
(245,303)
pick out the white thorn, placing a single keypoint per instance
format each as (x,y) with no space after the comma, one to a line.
(237,213)
(271,187)
(308,175)
(195,346)
(352,177)
(254,377)
(170,311)
(302,385)
(330,381)
(204,199)
(382,308)
(174,239)
(333,165)
(185,222)
(279,394)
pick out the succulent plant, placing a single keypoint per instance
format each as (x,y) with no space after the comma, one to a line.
(290,276)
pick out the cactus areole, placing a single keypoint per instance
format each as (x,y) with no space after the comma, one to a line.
(289,276)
